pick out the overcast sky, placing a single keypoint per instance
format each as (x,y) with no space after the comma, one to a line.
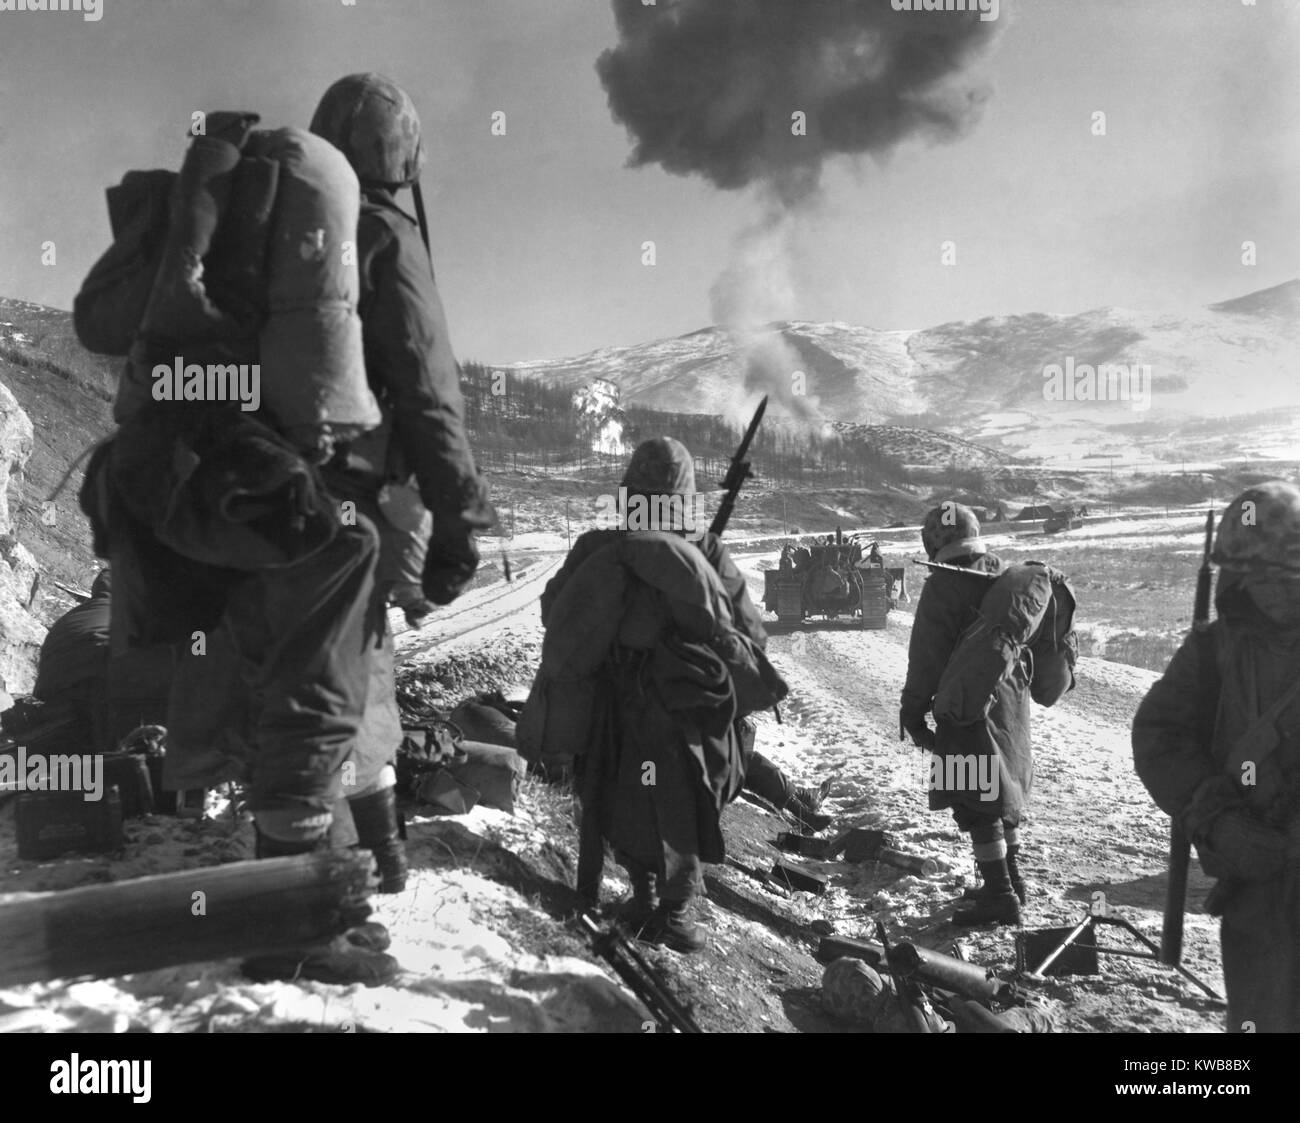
(538,234)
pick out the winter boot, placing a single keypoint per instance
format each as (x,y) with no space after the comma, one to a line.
(638,909)
(378,830)
(356,956)
(670,926)
(341,960)
(1018,885)
(805,804)
(995,903)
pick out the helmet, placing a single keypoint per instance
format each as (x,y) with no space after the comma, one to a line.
(661,466)
(853,992)
(1260,531)
(373,122)
(950,531)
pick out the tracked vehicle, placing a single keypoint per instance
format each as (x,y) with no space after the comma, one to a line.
(830,580)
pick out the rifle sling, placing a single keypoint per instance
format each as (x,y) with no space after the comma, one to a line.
(1256,745)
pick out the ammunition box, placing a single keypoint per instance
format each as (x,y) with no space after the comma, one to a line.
(792,877)
(865,844)
(54,823)
(1034,945)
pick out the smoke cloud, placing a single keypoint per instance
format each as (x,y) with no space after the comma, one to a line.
(754,291)
(710,87)
(761,93)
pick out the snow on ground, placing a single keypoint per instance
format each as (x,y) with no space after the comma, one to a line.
(1156,532)
(1091,828)
(457,930)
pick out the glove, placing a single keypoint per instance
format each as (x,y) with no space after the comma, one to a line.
(1213,797)
(1239,844)
(449,566)
(919,730)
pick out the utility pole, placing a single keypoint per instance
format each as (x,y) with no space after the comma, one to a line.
(568,540)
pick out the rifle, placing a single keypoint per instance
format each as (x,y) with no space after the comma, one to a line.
(980,573)
(739,471)
(1180,847)
(639,977)
(910,1000)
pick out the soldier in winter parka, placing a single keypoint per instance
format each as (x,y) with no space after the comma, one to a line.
(1238,799)
(668,698)
(414,477)
(982,771)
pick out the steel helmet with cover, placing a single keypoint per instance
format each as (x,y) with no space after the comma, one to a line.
(661,466)
(373,122)
(951,531)
(1260,532)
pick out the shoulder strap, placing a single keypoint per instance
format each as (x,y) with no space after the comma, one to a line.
(1259,741)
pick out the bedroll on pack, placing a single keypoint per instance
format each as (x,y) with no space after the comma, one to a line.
(112,300)
(313,368)
(641,589)
(1055,647)
(251,261)
(1024,631)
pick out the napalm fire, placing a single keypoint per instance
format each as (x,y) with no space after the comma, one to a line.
(657,516)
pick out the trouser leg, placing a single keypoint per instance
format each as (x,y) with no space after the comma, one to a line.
(1261,959)
(305,641)
(766,780)
(997,903)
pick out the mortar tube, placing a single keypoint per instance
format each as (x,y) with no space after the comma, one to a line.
(936,969)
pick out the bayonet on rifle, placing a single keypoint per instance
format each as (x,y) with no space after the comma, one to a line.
(739,471)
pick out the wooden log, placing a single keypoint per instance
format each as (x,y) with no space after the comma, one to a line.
(218,912)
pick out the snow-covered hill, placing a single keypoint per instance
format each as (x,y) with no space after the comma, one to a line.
(991,380)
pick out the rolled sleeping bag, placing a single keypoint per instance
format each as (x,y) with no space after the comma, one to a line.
(313,374)
(1056,647)
(494,771)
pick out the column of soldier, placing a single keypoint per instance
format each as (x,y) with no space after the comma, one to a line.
(288,542)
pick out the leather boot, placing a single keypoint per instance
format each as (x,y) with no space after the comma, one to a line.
(375,816)
(803,804)
(355,956)
(995,903)
(670,926)
(341,960)
(637,910)
(1018,884)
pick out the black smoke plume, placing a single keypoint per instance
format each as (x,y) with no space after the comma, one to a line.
(708,87)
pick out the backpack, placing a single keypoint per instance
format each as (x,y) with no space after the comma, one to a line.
(240,260)
(1025,630)
(1055,646)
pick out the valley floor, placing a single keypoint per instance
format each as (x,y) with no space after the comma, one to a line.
(482,930)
